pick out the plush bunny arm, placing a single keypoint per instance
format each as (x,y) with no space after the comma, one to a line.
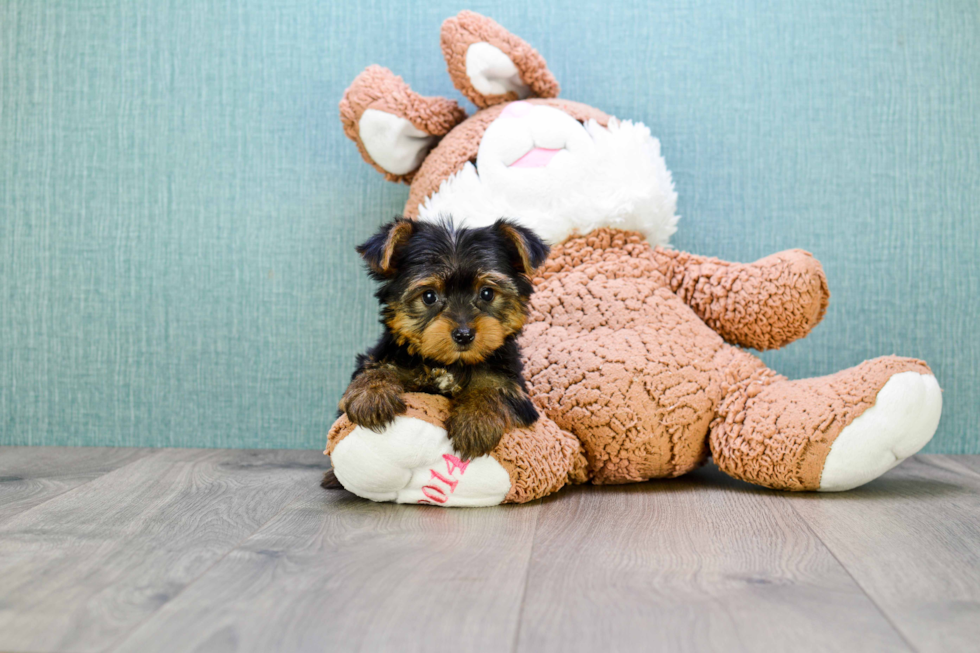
(763,305)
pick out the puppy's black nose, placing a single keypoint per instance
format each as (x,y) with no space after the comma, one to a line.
(463,335)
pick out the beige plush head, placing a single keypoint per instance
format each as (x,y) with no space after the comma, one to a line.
(556,166)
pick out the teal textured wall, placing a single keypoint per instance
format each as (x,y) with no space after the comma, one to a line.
(179,204)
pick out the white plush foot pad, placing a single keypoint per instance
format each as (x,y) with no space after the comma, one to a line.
(903,419)
(412,461)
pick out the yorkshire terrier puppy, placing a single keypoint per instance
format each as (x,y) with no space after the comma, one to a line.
(453,302)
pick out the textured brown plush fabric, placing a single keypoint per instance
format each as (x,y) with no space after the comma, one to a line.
(777,433)
(540,460)
(617,356)
(379,88)
(763,305)
(467,28)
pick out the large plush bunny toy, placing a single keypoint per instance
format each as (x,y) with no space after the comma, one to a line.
(634,351)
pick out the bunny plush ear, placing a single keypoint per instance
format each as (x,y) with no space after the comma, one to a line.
(489,65)
(394,127)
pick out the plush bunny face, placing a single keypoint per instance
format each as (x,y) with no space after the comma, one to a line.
(558,167)
(558,176)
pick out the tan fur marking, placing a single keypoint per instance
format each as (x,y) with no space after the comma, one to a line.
(490,336)
(398,235)
(435,283)
(515,237)
(514,317)
(437,341)
(403,326)
(494,280)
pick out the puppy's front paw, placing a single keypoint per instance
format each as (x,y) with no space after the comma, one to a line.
(473,432)
(373,408)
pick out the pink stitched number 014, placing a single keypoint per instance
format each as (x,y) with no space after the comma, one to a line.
(439,495)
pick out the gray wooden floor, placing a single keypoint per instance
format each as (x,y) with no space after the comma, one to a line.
(209,550)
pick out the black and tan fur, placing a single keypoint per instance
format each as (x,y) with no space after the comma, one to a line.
(438,280)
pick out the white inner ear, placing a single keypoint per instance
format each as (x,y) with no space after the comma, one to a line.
(492,72)
(394,143)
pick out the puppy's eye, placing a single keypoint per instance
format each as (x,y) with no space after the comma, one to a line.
(486,294)
(429,298)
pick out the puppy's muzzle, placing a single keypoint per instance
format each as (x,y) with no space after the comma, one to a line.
(463,335)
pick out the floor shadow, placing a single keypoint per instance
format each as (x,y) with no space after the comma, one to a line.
(889,486)
(893,487)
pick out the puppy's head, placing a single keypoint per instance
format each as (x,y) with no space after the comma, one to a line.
(453,294)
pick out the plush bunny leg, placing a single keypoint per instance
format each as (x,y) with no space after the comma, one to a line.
(830,433)
(412,461)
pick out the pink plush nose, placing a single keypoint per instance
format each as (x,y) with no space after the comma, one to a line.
(516,109)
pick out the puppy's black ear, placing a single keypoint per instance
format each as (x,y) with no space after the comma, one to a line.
(527,251)
(380,251)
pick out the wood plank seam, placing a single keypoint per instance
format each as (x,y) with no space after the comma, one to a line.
(149,454)
(122,639)
(143,507)
(952,460)
(857,583)
(527,571)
